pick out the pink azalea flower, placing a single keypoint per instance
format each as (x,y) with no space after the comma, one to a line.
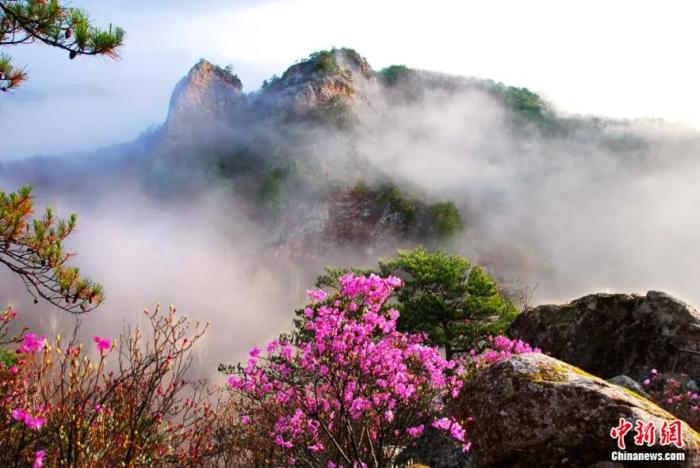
(283,443)
(235,382)
(34,423)
(245,420)
(317,447)
(287,351)
(361,367)
(18,414)
(442,423)
(103,344)
(39,459)
(30,421)
(317,295)
(32,343)
(389,415)
(647,382)
(415,431)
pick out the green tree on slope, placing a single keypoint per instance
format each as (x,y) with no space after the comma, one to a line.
(455,302)
(446,296)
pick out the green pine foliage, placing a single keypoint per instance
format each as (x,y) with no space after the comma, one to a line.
(55,24)
(455,302)
(524,104)
(394,74)
(325,61)
(446,219)
(33,249)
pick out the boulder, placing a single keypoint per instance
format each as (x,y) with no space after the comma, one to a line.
(533,410)
(629,384)
(617,334)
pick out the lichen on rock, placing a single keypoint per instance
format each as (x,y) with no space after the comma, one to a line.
(533,410)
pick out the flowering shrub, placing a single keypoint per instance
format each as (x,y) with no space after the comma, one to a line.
(352,392)
(674,395)
(130,407)
(499,348)
(456,303)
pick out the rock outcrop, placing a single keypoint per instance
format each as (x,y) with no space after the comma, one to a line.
(629,384)
(335,80)
(208,94)
(533,410)
(617,334)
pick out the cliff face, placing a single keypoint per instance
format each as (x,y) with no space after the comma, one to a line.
(207,94)
(327,79)
(330,86)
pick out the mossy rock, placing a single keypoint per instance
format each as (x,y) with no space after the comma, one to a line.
(533,410)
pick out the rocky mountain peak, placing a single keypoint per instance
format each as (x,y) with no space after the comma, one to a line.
(208,92)
(326,79)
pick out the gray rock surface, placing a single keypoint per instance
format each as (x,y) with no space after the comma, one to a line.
(629,384)
(207,94)
(533,410)
(617,334)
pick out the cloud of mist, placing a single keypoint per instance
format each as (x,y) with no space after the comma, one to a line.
(610,208)
(594,210)
(202,256)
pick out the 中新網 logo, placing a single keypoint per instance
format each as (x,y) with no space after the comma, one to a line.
(670,433)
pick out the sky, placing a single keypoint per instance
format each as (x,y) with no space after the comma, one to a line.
(622,59)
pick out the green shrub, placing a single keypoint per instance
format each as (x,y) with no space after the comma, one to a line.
(273,192)
(325,61)
(398,203)
(522,101)
(446,219)
(446,296)
(394,73)
(455,302)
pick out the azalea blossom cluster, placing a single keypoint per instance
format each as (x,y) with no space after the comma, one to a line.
(19,390)
(32,343)
(499,349)
(354,390)
(58,404)
(32,422)
(676,394)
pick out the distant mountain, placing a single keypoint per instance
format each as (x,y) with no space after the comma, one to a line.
(335,154)
(332,83)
